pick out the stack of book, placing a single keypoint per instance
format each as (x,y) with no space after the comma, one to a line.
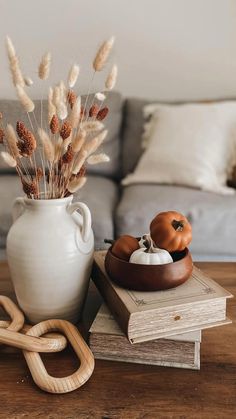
(162,327)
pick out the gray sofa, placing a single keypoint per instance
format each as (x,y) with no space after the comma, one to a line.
(120,210)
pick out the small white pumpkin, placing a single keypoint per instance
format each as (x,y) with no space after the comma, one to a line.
(150,255)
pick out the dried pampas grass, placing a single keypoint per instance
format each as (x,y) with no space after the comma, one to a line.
(54,124)
(51,107)
(24,99)
(103,54)
(65,130)
(58,148)
(75,113)
(62,110)
(92,126)
(12,141)
(56,95)
(111,78)
(2,135)
(80,160)
(98,158)
(76,184)
(47,144)
(92,145)
(16,73)
(28,81)
(100,96)
(28,143)
(8,159)
(73,75)
(44,66)
(71,97)
(11,52)
(78,141)
(62,88)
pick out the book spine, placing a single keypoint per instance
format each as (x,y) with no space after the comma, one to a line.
(116,306)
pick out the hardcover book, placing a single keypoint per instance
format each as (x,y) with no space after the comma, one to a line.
(197,304)
(107,341)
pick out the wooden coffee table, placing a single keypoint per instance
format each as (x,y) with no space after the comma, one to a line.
(121,390)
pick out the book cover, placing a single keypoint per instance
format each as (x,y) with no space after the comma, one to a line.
(108,342)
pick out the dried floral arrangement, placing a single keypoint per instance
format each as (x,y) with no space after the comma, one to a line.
(73,132)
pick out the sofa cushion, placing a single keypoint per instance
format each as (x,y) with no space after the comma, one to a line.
(212,216)
(12,111)
(132,129)
(99,193)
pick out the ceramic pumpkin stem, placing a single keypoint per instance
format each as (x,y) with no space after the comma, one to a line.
(148,243)
(178,225)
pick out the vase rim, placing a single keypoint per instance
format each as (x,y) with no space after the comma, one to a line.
(48,202)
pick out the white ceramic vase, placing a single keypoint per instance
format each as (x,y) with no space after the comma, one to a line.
(50,254)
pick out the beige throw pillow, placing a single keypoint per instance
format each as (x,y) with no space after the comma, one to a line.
(192,145)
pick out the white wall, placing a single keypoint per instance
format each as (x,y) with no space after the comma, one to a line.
(167,49)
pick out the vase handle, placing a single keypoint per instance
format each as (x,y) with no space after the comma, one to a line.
(18,208)
(87,222)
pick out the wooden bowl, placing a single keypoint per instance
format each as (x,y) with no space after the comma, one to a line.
(141,277)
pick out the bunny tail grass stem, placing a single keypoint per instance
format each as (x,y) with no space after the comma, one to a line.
(86,100)
(33,164)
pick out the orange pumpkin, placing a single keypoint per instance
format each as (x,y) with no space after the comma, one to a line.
(171,231)
(124,246)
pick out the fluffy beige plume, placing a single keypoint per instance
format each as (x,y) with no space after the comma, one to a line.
(78,141)
(103,54)
(24,99)
(59,103)
(56,95)
(100,96)
(47,144)
(11,52)
(80,160)
(111,78)
(28,81)
(44,66)
(16,73)
(92,145)
(51,107)
(8,159)
(62,88)
(62,110)
(76,184)
(66,142)
(75,113)
(73,75)
(98,158)
(92,126)
(12,141)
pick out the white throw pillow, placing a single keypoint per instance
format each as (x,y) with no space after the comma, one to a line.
(192,145)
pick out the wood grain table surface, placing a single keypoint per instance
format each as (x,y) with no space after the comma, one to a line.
(123,390)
